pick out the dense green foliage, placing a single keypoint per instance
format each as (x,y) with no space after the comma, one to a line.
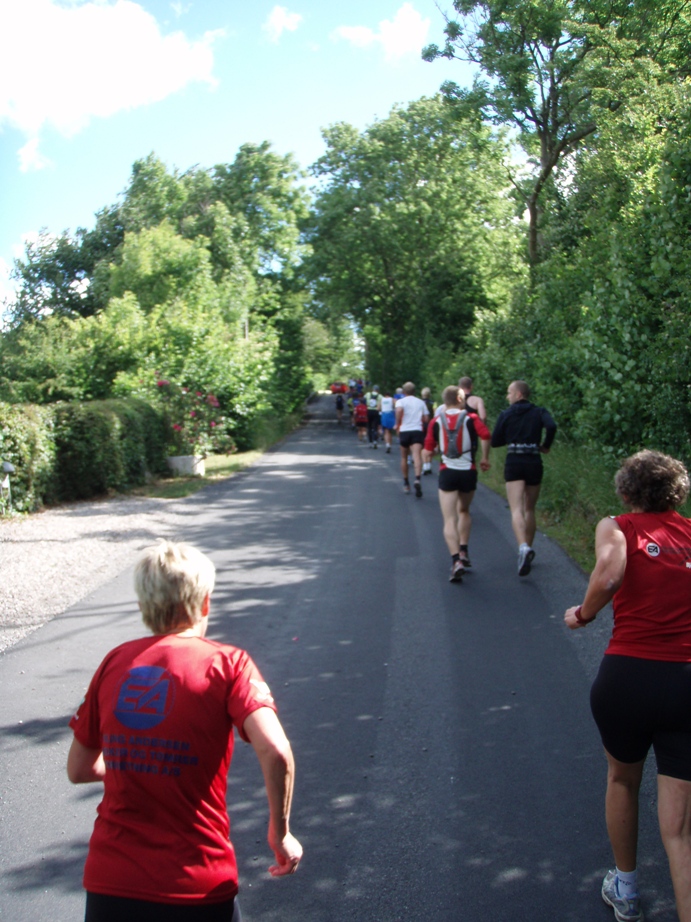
(27,441)
(191,278)
(106,445)
(77,450)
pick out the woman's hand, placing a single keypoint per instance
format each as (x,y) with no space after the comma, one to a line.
(570,619)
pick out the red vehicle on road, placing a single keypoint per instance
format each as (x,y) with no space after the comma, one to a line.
(338,387)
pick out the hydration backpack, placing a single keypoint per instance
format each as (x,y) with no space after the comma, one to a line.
(451,451)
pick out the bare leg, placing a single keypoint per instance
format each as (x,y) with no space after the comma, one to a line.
(416,450)
(404,462)
(515,490)
(448,503)
(621,810)
(465,520)
(530,499)
(674,813)
(522,501)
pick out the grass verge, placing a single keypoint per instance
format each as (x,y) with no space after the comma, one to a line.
(218,467)
(269,429)
(577,491)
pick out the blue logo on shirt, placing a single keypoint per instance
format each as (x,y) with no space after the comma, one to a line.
(145,697)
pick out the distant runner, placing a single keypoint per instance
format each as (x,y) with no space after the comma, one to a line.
(360,418)
(456,432)
(372,404)
(520,428)
(387,416)
(473,403)
(411,418)
(339,408)
(426,395)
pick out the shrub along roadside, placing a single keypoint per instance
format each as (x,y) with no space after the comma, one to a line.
(106,445)
(27,441)
(74,450)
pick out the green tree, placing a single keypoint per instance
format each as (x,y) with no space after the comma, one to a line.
(557,69)
(158,265)
(412,233)
(264,189)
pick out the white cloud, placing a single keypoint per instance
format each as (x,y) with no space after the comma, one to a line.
(61,66)
(279,20)
(405,35)
(30,158)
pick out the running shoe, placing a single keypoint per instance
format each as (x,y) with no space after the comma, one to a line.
(624,910)
(427,472)
(466,562)
(456,575)
(375,445)
(406,488)
(526,556)
(418,489)
(388,449)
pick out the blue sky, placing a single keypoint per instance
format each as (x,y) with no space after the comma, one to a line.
(86,88)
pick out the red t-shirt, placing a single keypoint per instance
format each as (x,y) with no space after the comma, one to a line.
(652,608)
(162,709)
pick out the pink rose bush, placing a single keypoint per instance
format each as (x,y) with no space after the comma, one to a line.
(197,424)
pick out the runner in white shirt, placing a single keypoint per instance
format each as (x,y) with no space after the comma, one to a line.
(411,418)
(388,418)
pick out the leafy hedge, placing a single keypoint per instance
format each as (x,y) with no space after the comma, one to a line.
(77,450)
(27,441)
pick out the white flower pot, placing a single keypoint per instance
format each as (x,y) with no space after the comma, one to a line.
(187,464)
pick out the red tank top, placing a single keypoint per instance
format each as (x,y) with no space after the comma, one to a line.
(652,608)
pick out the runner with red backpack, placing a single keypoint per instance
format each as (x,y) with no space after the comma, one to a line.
(455,431)
(360,418)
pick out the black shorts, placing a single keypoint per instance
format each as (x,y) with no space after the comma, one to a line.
(524,467)
(639,703)
(451,481)
(412,437)
(102,908)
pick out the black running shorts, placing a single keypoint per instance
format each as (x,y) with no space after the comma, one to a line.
(524,467)
(412,437)
(102,908)
(457,481)
(639,703)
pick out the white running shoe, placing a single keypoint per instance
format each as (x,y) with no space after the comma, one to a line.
(624,910)
(526,555)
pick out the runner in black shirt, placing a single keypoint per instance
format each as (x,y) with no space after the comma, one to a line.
(520,429)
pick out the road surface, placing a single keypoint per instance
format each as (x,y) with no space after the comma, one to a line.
(447,764)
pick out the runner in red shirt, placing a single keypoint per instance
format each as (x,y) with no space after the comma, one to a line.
(156,727)
(642,694)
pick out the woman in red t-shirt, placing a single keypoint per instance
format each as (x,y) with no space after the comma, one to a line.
(156,727)
(642,694)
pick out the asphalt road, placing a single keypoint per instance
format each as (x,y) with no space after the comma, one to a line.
(448,767)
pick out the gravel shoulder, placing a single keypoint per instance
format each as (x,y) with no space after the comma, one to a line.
(52,559)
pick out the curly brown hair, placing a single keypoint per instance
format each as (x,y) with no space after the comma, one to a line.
(652,482)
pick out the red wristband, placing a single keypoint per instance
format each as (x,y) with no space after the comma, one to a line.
(581,621)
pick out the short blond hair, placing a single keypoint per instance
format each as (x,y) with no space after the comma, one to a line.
(408,388)
(171,581)
(453,396)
